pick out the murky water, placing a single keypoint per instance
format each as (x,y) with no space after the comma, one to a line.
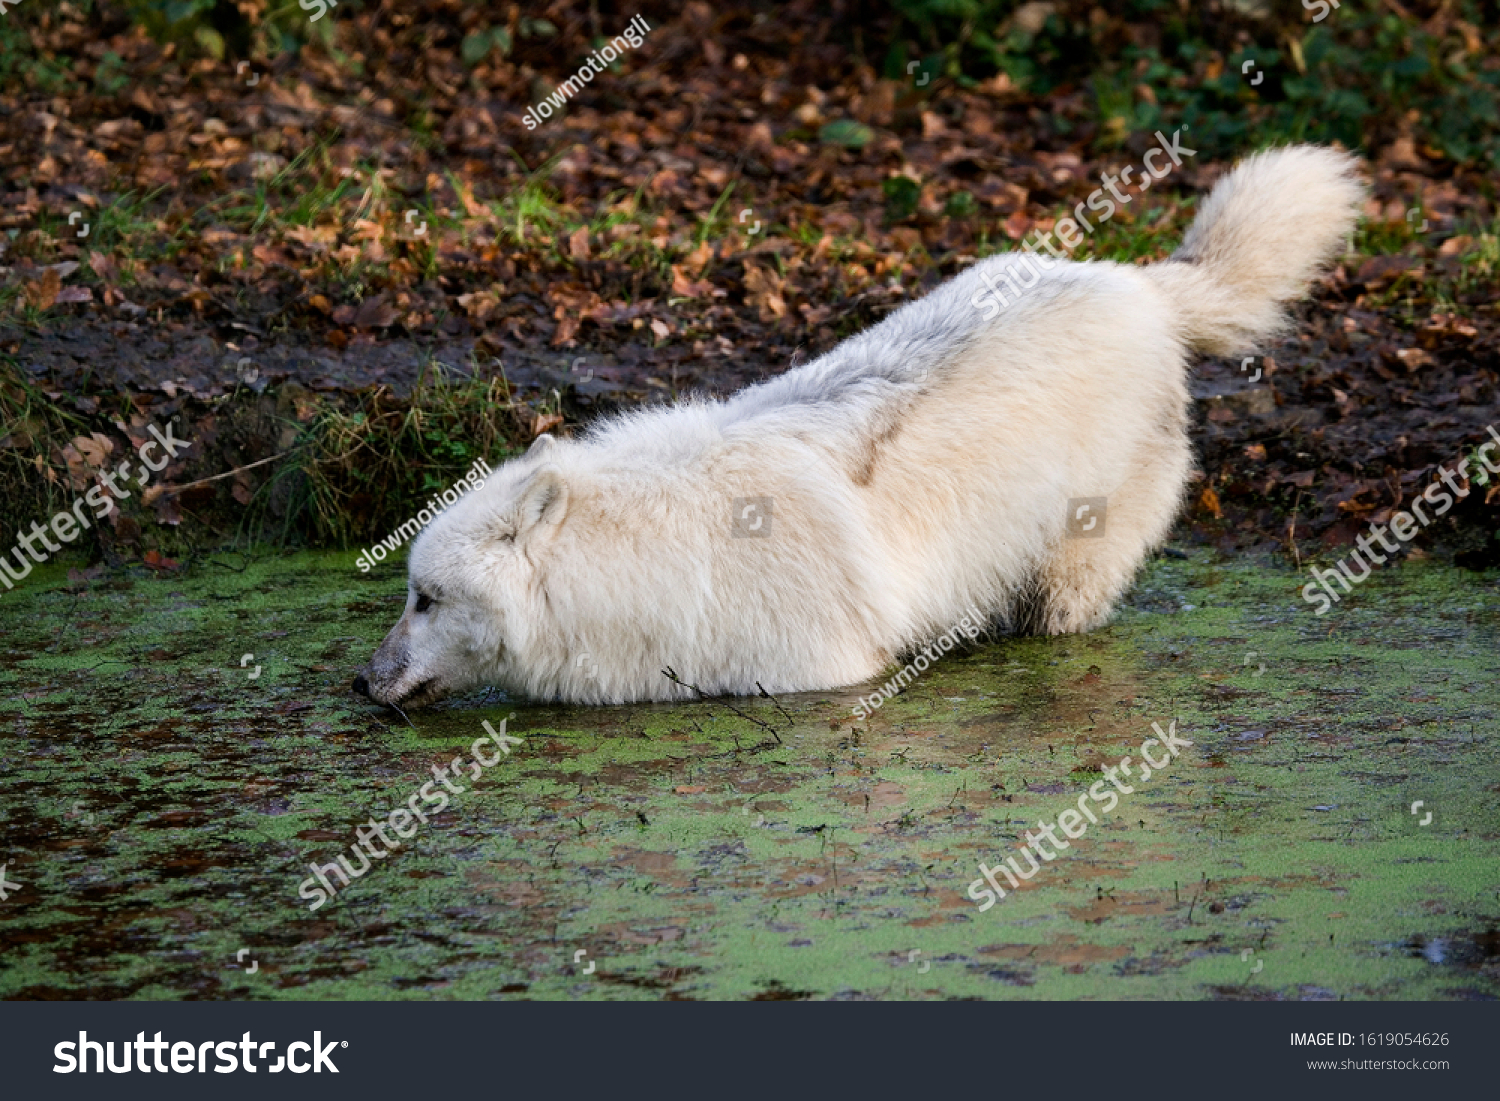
(162,802)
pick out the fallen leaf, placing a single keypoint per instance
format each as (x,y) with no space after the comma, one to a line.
(41,293)
(765,288)
(375,313)
(159,563)
(689,288)
(79,471)
(578,243)
(95,449)
(318,239)
(695,261)
(479,304)
(1414,359)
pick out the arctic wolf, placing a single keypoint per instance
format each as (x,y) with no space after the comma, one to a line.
(805,532)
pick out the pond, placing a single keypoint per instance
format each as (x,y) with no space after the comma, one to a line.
(178,750)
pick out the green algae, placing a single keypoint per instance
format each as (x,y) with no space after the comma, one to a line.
(161,806)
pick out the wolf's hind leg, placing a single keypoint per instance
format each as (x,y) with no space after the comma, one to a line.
(1083,577)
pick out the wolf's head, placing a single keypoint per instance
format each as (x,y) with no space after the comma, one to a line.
(471,587)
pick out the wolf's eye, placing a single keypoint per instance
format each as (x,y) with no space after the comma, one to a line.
(423,602)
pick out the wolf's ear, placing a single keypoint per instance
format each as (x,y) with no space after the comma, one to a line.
(541,445)
(543,503)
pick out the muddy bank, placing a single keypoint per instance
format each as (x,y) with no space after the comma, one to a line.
(1289,461)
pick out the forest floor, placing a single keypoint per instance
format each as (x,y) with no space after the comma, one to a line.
(266,254)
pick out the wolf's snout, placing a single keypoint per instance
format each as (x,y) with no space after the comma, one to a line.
(362,685)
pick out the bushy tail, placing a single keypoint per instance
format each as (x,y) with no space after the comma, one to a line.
(1259,238)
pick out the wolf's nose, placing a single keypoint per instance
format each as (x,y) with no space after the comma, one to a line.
(361,685)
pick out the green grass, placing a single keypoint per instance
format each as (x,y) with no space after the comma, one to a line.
(31,424)
(370,468)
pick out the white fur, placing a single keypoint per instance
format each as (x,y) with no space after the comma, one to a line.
(917,469)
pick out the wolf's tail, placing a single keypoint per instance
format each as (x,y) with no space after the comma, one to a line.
(1259,238)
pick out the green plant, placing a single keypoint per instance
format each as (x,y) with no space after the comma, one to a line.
(371,468)
(32,426)
(902,194)
(1360,76)
(478,44)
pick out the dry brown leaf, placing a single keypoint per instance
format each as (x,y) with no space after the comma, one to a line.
(104,267)
(567,331)
(479,304)
(765,292)
(695,261)
(578,243)
(543,422)
(375,313)
(41,293)
(1414,359)
(317,238)
(95,449)
(684,287)
(79,473)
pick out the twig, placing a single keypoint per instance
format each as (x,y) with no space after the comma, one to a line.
(403,714)
(672,676)
(226,566)
(1291,535)
(226,474)
(773,699)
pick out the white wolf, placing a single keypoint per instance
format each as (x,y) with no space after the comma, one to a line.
(805,532)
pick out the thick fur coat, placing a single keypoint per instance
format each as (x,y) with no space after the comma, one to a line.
(803,533)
